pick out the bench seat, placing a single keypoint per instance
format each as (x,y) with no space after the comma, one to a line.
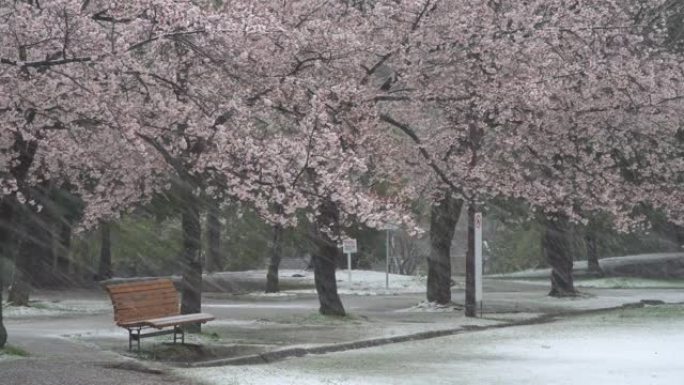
(151,304)
(184,319)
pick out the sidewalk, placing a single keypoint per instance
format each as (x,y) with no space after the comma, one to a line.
(85,347)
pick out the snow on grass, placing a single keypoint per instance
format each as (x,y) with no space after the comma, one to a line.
(634,346)
(271,295)
(10,352)
(629,283)
(261,274)
(364,282)
(432,307)
(52,309)
(371,283)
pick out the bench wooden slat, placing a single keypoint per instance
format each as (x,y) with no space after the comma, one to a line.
(123,303)
(140,286)
(128,316)
(144,294)
(179,320)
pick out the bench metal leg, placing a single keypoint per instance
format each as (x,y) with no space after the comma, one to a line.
(133,335)
(178,330)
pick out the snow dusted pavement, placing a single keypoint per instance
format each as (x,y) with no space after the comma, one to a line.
(620,347)
(72,334)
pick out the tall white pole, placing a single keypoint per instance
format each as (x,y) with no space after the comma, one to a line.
(387,259)
(478,258)
(349,268)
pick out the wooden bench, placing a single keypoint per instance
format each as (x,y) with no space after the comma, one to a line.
(139,306)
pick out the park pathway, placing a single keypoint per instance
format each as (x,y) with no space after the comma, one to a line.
(55,360)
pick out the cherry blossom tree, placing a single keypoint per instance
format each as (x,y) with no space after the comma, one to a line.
(113,97)
(573,107)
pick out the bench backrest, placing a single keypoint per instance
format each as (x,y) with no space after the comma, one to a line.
(138,301)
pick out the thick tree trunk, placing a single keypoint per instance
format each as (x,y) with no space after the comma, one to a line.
(191,285)
(21,166)
(26,264)
(324,260)
(214,257)
(3,331)
(104,268)
(443,218)
(5,240)
(37,246)
(63,262)
(557,247)
(470,301)
(20,288)
(272,285)
(592,253)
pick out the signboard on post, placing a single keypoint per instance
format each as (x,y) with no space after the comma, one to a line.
(349,247)
(478,258)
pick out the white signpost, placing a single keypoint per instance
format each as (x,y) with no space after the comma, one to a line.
(349,247)
(478,259)
(387,228)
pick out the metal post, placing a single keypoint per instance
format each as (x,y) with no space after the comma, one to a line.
(349,267)
(387,259)
(478,259)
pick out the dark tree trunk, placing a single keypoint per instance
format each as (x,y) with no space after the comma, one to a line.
(36,243)
(324,260)
(470,302)
(5,245)
(592,253)
(20,288)
(272,285)
(214,257)
(26,153)
(63,263)
(557,247)
(104,268)
(191,285)
(3,331)
(443,218)
(27,264)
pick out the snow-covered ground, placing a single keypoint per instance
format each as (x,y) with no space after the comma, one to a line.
(364,282)
(630,283)
(626,347)
(42,308)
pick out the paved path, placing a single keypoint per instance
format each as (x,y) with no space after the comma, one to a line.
(272,322)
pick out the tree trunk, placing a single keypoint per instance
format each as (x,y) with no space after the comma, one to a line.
(36,245)
(443,218)
(272,285)
(470,300)
(592,253)
(104,268)
(26,263)
(63,262)
(191,285)
(324,260)
(5,239)
(214,257)
(557,247)
(20,289)
(3,331)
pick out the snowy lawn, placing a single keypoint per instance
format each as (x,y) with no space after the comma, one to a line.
(10,352)
(630,283)
(40,308)
(612,283)
(364,282)
(625,347)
